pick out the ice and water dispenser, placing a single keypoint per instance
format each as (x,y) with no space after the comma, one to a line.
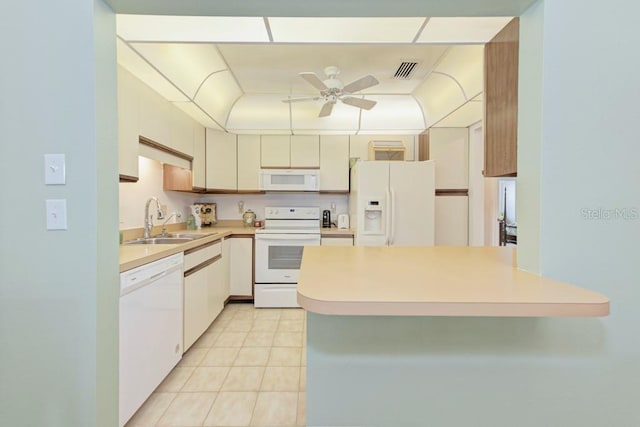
(373,221)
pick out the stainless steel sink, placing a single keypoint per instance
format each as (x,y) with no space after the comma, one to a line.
(159,241)
(192,236)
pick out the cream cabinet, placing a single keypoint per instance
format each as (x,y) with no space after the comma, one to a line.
(180,131)
(346,240)
(154,116)
(226,267)
(198,165)
(128,107)
(449,148)
(248,162)
(275,151)
(334,163)
(305,151)
(452,220)
(195,306)
(241,266)
(215,290)
(221,161)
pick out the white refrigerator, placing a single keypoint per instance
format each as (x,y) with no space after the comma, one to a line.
(392,203)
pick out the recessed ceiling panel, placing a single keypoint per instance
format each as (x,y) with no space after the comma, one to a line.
(439,95)
(197,114)
(392,113)
(462,30)
(345,30)
(132,62)
(463,117)
(466,65)
(305,117)
(185,64)
(191,28)
(217,95)
(255,112)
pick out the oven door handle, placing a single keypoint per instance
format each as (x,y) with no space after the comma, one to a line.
(285,237)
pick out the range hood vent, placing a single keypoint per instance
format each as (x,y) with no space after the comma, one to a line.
(405,70)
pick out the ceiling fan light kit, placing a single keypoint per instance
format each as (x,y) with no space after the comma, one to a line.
(333,90)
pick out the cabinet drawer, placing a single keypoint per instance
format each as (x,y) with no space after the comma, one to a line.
(196,256)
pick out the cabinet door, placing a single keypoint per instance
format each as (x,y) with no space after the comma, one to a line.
(180,131)
(275,151)
(337,241)
(198,165)
(154,116)
(248,162)
(305,151)
(196,306)
(128,106)
(334,163)
(221,173)
(449,148)
(241,262)
(452,221)
(226,266)
(215,298)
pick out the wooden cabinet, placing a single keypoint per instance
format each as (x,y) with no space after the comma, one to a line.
(248,163)
(337,241)
(275,151)
(221,161)
(501,102)
(128,106)
(334,163)
(198,164)
(305,151)
(241,266)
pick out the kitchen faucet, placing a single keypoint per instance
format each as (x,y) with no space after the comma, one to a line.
(164,224)
(148,223)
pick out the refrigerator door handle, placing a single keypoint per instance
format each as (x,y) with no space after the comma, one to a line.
(392,236)
(387,226)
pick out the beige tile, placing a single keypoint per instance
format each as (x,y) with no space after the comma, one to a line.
(230,339)
(287,339)
(206,340)
(302,409)
(232,408)
(239,325)
(149,413)
(275,409)
(303,378)
(243,378)
(176,379)
(206,378)
(187,409)
(285,356)
(267,314)
(243,315)
(293,314)
(259,339)
(227,314)
(218,325)
(220,356)
(193,357)
(290,326)
(265,325)
(281,378)
(252,356)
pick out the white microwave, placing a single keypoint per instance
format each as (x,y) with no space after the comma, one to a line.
(289,180)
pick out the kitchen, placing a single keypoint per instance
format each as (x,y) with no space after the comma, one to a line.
(563,228)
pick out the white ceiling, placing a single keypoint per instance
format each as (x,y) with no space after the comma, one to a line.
(232,73)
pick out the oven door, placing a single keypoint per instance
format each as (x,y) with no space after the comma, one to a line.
(278,256)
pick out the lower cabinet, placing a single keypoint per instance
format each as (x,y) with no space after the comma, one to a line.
(203,290)
(241,267)
(337,241)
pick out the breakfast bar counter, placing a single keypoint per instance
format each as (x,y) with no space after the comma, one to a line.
(444,336)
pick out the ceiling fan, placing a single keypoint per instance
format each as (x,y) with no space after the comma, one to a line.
(332,90)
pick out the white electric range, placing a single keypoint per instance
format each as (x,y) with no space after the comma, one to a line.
(279,246)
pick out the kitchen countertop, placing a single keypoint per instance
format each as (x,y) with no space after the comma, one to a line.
(435,281)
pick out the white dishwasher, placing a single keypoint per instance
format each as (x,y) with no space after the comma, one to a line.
(150,329)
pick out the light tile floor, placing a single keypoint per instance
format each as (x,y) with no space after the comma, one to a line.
(247,369)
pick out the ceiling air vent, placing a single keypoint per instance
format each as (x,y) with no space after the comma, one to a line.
(405,70)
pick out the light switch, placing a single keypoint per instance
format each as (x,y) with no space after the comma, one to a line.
(56,214)
(54,169)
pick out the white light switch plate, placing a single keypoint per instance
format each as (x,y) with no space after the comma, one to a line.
(54,169)
(56,214)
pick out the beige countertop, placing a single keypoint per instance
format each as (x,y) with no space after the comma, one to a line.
(435,281)
(336,232)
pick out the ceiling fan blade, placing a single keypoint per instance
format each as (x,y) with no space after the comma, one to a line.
(313,98)
(314,81)
(326,109)
(360,84)
(358,102)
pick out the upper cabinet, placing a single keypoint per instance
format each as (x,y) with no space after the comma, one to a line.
(221,163)
(305,151)
(128,107)
(449,148)
(198,165)
(248,163)
(501,102)
(334,163)
(275,151)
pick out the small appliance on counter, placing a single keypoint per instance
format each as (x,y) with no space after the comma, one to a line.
(326,219)
(208,214)
(343,221)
